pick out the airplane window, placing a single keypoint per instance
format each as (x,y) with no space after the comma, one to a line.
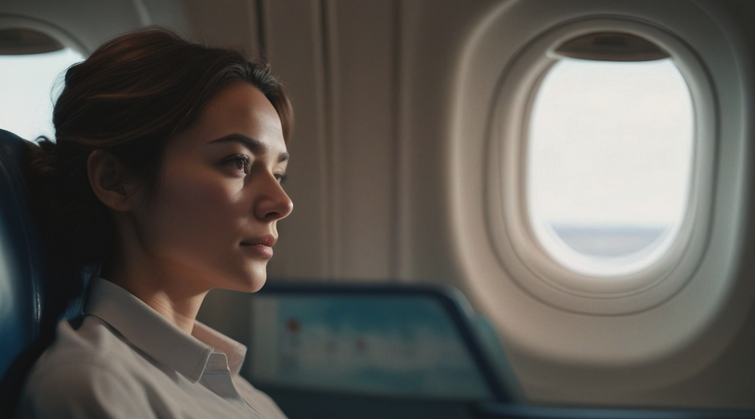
(601,166)
(30,64)
(609,162)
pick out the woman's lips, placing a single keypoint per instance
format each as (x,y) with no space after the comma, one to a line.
(262,246)
(259,249)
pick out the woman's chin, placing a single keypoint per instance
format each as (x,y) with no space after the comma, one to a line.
(254,283)
(256,286)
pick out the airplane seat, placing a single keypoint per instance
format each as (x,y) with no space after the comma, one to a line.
(329,350)
(32,300)
(374,350)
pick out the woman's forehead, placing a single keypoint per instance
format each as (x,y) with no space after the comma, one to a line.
(240,110)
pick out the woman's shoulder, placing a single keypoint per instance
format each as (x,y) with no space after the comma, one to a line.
(92,343)
(78,373)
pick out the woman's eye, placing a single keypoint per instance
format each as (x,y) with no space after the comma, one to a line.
(241,163)
(281,177)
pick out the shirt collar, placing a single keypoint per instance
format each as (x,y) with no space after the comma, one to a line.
(153,334)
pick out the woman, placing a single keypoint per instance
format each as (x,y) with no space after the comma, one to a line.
(166,170)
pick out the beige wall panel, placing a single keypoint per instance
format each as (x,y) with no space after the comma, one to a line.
(362,77)
(342,173)
(293,45)
(432,34)
(227,23)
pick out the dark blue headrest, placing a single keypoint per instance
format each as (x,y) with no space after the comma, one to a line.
(32,297)
(21,263)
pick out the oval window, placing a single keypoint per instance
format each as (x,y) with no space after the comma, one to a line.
(609,161)
(30,64)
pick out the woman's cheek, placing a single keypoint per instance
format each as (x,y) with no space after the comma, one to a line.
(191,213)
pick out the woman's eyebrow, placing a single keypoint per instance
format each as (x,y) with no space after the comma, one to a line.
(254,146)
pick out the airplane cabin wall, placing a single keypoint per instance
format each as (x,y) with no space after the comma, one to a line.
(373,200)
(338,59)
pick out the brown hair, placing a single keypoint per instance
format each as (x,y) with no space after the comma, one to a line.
(128,98)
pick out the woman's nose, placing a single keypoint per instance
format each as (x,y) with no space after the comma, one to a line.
(273,202)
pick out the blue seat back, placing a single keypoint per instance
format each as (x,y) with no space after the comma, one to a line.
(32,298)
(21,265)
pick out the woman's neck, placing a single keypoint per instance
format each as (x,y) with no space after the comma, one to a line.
(167,294)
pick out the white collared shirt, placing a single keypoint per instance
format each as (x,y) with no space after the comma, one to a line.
(128,361)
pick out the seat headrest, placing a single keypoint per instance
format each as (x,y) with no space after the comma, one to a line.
(21,261)
(33,296)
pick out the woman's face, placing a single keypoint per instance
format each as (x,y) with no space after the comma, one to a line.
(212,217)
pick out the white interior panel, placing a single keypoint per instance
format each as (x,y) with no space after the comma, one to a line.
(622,358)
(232,23)
(293,35)
(336,58)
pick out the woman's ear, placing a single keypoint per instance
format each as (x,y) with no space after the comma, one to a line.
(108,179)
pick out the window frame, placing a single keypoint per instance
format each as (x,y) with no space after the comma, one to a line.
(54,31)
(518,248)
